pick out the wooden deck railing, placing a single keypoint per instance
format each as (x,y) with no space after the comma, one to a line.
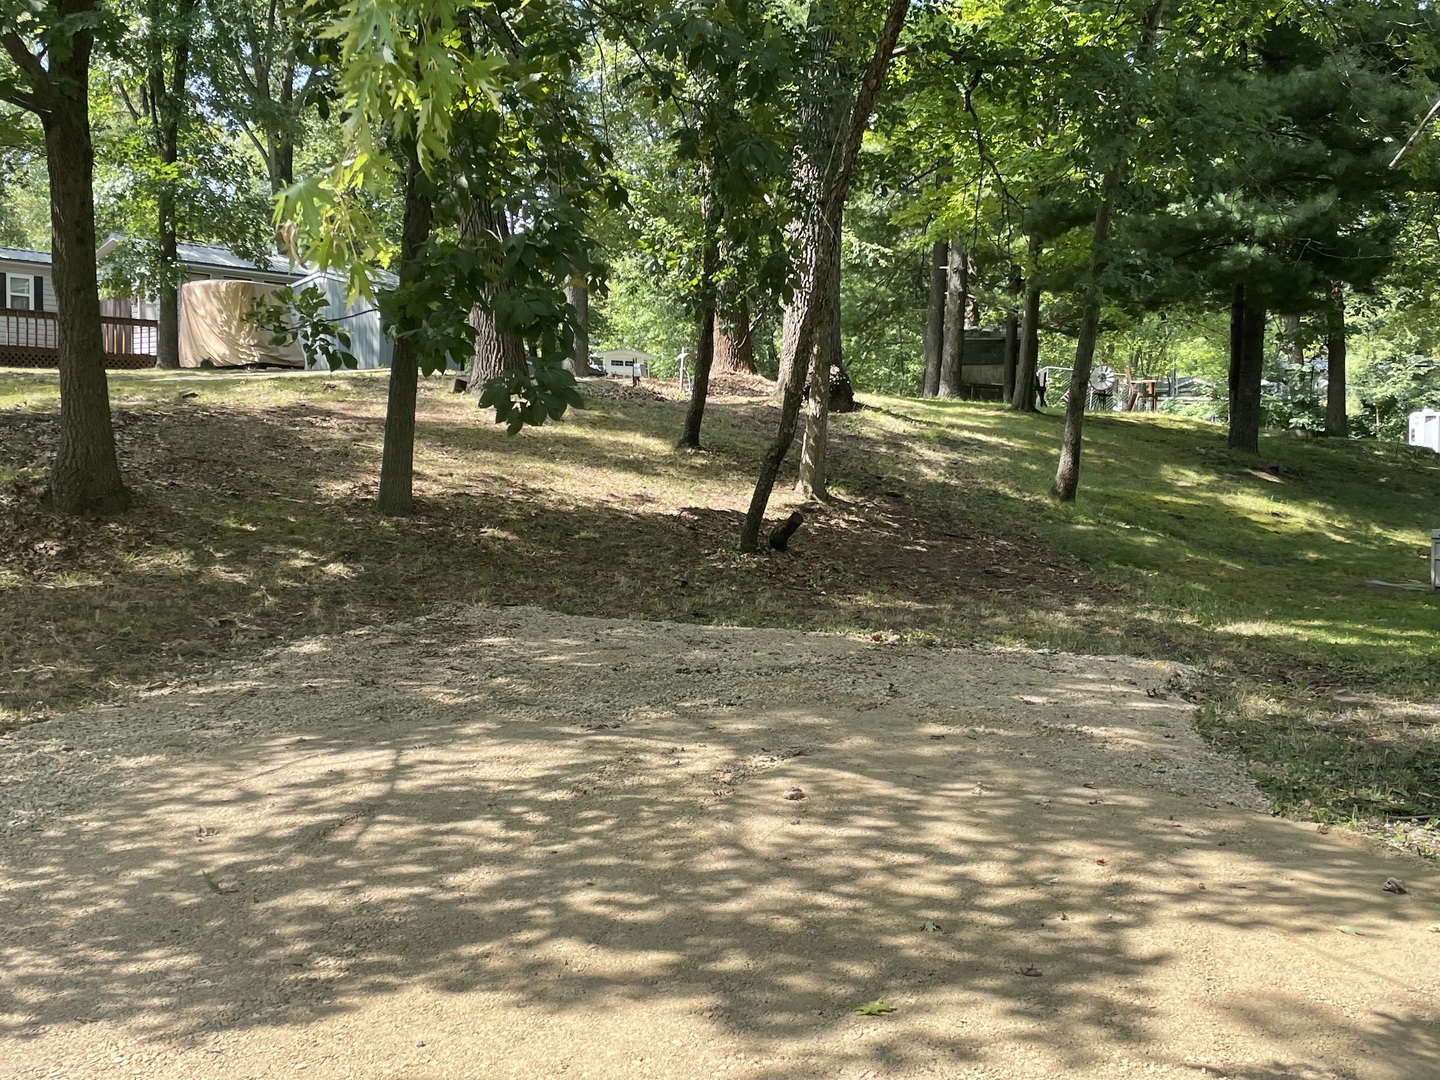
(32,339)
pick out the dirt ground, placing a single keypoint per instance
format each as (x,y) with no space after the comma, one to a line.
(506,843)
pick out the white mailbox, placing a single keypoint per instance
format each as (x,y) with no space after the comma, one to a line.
(1425,429)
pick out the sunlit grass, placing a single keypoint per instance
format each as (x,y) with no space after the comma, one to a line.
(255,519)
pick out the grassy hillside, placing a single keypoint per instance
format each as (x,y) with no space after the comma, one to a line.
(254,522)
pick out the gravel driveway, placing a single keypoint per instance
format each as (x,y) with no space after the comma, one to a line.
(507,843)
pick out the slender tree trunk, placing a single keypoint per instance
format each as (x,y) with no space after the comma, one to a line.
(1067,473)
(953,347)
(166,91)
(830,210)
(497,351)
(705,347)
(1247,363)
(811,481)
(1023,400)
(397,464)
(1012,333)
(823,111)
(1290,340)
(577,293)
(85,476)
(167,332)
(1336,422)
(935,321)
(734,336)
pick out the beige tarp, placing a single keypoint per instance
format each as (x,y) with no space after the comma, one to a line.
(213,327)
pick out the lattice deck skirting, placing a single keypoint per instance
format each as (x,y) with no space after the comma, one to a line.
(23,357)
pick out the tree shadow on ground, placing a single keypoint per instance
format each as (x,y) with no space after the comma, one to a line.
(513,811)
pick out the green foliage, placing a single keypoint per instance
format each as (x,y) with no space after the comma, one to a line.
(298,318)
(520,398)
(478,95)
(24,197)
(1391,383)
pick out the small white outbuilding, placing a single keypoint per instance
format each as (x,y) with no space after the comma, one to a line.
(631,362)
(1425,429)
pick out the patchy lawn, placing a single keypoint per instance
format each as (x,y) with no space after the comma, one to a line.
(254,521)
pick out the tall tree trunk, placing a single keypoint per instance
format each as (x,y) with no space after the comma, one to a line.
(830,211)
(85,476)
(1247,363)
(1067,473)
(1336,422)
(1023,399)
(705,347)
(811,481)
(1012,333)
(935,320)
(497,351)
(397,463)
(823,112)
(577,294)
(734,336)
(956,305)
(166,89)
(1290,340)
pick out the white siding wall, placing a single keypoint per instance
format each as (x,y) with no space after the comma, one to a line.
(30,271)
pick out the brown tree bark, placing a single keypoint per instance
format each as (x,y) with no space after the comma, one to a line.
(823,112)
(166,72)
(824,362)
(577,293)
(1067,472)
(705,346)
(1023,399)
(1247,363)
(935,319)
(1012,333)
(830,211)
(85,476)
(1336,422)
(956,308)
(496,351)
(734,336)
(397,463)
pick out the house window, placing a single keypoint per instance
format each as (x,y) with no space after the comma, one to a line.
(19,293)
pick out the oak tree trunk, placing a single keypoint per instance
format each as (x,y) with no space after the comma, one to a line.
(705,346)
(397,463)
(577,294)
(734,336)
(823,112)
(167,332)
(1012,334)
(1067,472)
(166,89)
(830,211)
(1247,363)
(1023,399)
(935,319)
(497,351)
(811,481)
(85,476)
(1336,422)
(956,307)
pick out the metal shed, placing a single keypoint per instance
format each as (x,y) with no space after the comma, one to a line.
(361,319)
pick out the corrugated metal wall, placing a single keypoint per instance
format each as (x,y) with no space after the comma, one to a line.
(368,342)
